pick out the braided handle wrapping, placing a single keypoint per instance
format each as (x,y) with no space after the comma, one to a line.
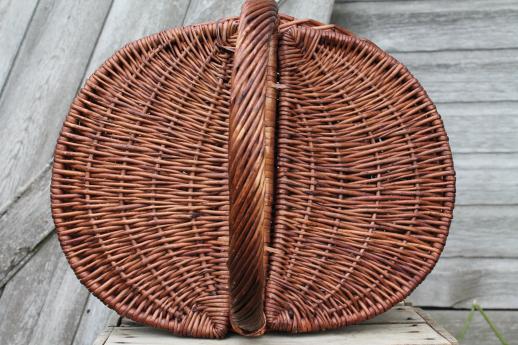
(251,162)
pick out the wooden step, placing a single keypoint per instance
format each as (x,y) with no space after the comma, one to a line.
(402,325)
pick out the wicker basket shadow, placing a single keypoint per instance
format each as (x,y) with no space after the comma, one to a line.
(254,174)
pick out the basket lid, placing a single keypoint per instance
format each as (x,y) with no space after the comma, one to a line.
(259,173)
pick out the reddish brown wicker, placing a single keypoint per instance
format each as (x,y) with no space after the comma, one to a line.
(258,173)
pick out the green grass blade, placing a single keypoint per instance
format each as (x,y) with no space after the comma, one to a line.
(495,330)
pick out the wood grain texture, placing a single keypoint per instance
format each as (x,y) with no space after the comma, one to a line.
(432,25)
(22,231)
(320,10)
(436,326)
(481,127)
(201,11)
(103,336)
(486,179)
(479,333)
(42,84)
(95,316)
(130,20)
(462,76)
(456,282)
(483,231)
(15,17)
(206,10)
(42,304)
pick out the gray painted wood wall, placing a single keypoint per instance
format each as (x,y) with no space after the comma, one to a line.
(465,53)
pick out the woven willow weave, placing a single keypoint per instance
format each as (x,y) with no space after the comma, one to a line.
(254,174)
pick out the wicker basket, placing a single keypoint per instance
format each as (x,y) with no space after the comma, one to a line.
(257,174)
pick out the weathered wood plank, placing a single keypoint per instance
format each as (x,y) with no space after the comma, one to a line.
(389,329)
(21,231)
(61,313)
(436,326)
(483,231)
(320,10)
(202,11)
(42,83)
(486,179)
(130,20)
(42,304)
(460,76)
(456,282)
(94,319)
(433,24)
(479,333)
(15,16)
(481,127)
(398,314)
(103,336)
(206,10)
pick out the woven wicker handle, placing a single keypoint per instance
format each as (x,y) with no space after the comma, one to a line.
(251,162)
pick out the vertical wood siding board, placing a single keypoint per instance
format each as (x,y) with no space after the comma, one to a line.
(41,86)
(315,9)
(130,20)
(206,10)
(25,295)
(61,313)
(201,11)
(21,231)
(95,317)
(15,18)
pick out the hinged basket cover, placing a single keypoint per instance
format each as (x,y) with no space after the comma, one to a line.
(254,174)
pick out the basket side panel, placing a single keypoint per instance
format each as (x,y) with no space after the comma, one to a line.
(365,183)
(140,184)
